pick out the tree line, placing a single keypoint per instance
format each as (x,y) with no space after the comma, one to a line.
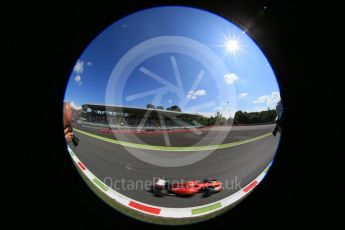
(241,117)
(160,107)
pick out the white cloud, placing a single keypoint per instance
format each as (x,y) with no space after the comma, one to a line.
(268,100)
(79,67)
(213,114)
(77,79)
(200,92)
(256,109)
(243,95)
(194,94)
(75,106)
(230,78)
(205,114)
(79,70)
(218,108)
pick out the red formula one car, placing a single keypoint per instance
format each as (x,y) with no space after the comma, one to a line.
(187,188)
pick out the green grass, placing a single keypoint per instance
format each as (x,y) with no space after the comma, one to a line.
(100,184)
(206,209)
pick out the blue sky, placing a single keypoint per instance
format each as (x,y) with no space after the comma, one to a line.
(250,78)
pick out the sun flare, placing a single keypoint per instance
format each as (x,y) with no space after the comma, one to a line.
(232,45)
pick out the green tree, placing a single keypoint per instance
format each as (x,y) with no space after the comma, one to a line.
(254,117)
(211,121)
(174,108)
(160,107)
(150,106)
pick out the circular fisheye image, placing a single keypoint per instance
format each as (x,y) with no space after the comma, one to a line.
(172,115)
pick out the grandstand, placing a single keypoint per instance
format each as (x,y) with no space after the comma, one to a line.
(122,117)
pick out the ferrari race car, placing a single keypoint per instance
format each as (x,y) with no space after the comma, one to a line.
(186,188)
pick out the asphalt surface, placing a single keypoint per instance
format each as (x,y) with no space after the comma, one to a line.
(236,166)
(214,135)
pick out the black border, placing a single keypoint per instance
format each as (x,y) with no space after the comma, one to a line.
(54,35)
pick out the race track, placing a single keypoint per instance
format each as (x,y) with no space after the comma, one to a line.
(234,166)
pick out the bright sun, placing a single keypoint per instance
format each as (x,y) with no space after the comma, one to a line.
(232,46)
